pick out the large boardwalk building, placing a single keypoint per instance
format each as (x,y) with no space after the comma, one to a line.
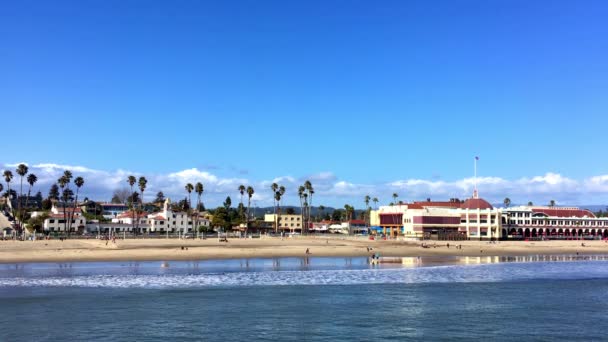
(552,222)
(451,220)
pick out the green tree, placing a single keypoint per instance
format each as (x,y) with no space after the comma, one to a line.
(530,204)
(321,211)
(552,203)
(337,215)
(37,223)
(220,218)
(53,193)
(8,177)
(131,180)
(227,203)
(375,200)
(160,198)
(395,195)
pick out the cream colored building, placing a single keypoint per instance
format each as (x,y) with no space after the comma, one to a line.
(474,218)
(285,222)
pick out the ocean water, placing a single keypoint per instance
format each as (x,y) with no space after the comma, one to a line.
(316,299)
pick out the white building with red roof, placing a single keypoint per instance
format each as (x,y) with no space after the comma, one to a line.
(474,218)
(553,222)
(59,217)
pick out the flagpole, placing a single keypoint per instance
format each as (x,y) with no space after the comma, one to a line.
(475,177)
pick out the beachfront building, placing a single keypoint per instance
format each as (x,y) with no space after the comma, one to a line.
(552,223)
(474,218)
(58,216)
(286,222)
(162,222)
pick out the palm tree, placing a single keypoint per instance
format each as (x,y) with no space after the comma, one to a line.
(278,195)
(250,193)
(79,182)
(274,187)
(21,171)
(530,203)
(63,182)
(142,187)
(507,202)
(301,190)
(31,179)
(552,203)
(8,176)
(242,192)
(132,180)
(67,174)
(375,200)
(321,210)
(189,187)
(198,188)
(311,191)
(395,197)
(306,208)
(277,198)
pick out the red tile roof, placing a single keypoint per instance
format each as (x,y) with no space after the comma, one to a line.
(476,203)
(447,204)
(129,214)
(564,212)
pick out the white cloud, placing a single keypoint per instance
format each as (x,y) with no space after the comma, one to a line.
(330,190)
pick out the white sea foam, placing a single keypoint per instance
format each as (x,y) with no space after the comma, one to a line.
(438,274)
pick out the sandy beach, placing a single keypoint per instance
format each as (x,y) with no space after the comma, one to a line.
(171,249)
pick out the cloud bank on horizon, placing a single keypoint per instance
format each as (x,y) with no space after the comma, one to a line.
(330,190)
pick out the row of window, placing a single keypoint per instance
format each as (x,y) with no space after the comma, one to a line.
(560,222)
(289,219)
(63,221)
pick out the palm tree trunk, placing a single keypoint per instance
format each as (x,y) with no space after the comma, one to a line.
(74,210)
(247,222)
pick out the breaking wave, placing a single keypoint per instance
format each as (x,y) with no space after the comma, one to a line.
(502,272)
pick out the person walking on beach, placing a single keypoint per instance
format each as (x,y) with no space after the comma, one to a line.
(307,251)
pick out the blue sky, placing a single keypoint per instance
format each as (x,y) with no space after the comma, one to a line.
(363,97)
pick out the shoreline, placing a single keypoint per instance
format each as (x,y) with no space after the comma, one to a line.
(91,250)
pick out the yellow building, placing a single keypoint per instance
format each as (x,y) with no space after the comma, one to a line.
(286,222)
